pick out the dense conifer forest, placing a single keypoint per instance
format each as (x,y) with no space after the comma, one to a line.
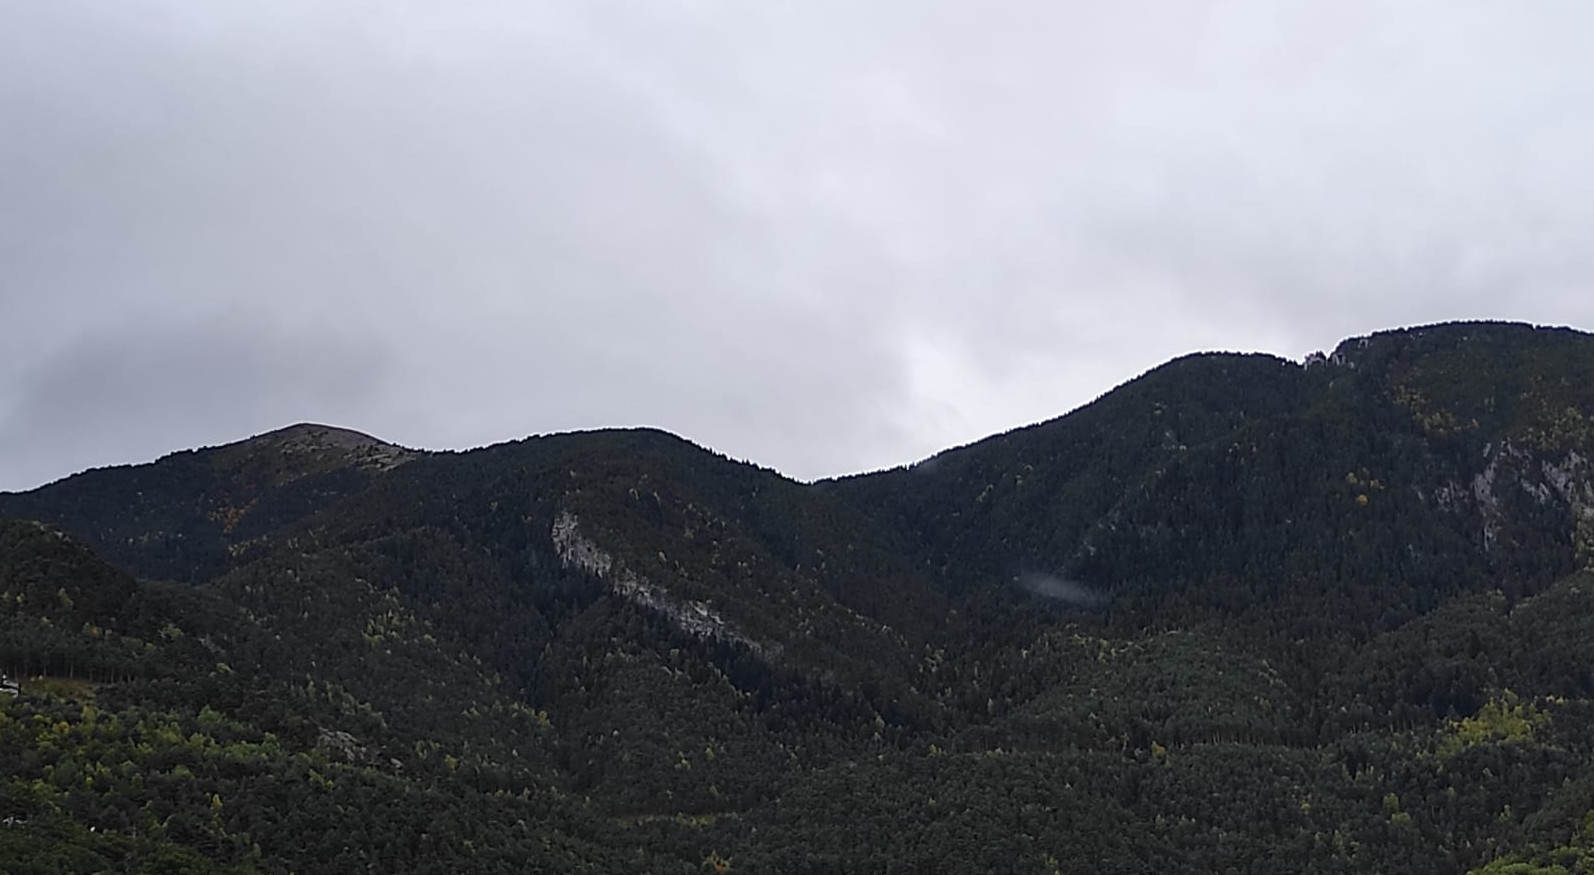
(1240,614)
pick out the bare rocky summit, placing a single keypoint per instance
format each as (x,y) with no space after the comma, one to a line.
(311,448)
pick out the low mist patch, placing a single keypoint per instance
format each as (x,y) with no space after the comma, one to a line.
(1060,589)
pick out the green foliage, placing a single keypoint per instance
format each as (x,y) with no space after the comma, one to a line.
(1236,615)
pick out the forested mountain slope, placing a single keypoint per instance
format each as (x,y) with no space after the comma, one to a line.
(1237,614)
(1355,490)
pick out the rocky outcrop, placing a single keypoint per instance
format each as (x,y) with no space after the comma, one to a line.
(337,744)
(1547,481)
(698,618)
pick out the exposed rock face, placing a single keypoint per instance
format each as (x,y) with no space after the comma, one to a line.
(1548,481)
(699,618)
(335,742)
(1569,481)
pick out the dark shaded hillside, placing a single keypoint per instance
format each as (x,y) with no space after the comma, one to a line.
(1239,614)
(1348,495)
(1370,506)
(64,611)
(1020,502)
(440,589)
(178,517)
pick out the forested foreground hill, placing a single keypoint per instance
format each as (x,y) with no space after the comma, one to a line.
(1240,614)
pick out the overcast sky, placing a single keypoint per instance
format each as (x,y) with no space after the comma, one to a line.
(823,236)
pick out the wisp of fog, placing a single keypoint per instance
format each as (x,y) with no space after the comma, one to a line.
(1070,592)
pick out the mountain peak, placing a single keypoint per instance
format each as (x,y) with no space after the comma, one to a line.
(308,447)
(313,436)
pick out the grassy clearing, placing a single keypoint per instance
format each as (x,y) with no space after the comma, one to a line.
(63,688)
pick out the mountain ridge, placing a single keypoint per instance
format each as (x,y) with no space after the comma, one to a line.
(1337,621)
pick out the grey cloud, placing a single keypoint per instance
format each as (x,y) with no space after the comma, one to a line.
(822,236)
(137,395)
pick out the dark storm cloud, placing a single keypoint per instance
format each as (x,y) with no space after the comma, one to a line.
(824,236)
(114,398)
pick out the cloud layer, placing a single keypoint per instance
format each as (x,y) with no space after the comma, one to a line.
(820,236)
